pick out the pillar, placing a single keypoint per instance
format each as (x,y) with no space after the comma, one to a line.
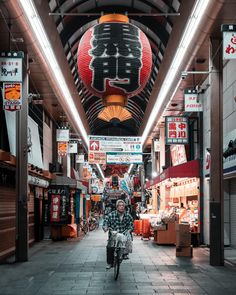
(216,175)
(162,148)
(22,170)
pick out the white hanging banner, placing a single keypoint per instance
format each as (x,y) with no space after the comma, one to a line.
(63,135)
(192,101)
(229,41)
(11,66)
(73,148)
(178,154)
(157,146)
(80,159)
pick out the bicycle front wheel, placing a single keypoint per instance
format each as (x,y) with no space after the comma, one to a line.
(116,265)
(92,226)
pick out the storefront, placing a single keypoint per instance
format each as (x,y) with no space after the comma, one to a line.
(176,191)
(7,209)
(37,187)
(37,207)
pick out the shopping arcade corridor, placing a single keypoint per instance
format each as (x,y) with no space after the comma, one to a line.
(78,267)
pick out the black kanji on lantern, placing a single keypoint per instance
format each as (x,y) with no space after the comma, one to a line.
(117,55)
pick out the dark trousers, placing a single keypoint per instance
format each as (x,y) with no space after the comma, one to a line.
(110,255)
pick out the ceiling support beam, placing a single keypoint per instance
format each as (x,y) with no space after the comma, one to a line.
(99,14)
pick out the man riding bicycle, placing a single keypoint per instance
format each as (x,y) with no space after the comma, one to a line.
(120,221)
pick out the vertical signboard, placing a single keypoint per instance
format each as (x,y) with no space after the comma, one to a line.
(62,137)
(178,154)
(229,41)
(59,204)
(157,146)
(55,208)
(176,130)
(73,148)
(11,77)
(62,148)
(192,101)
(79,159)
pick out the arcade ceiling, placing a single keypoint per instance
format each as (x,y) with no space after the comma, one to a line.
(65,22)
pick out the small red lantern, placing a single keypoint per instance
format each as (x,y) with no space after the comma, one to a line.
(114,59)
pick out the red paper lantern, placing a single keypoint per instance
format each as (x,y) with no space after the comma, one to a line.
(114,59)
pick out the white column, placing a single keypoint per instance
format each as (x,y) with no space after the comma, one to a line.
(162,147)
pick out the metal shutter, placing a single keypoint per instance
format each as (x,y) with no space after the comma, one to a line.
(31,215)
(7,221)
(233,212)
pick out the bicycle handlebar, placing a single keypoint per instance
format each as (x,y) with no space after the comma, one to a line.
(124,232)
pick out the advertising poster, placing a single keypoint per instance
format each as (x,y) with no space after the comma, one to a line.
(12,96)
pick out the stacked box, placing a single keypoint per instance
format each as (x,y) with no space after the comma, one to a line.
(184,251)
(183,240)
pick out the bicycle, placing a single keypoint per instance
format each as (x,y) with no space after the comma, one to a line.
(93,222)
(119,242)
(83,225)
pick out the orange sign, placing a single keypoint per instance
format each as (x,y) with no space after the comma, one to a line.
(12,96)
(62,148)
(96,198)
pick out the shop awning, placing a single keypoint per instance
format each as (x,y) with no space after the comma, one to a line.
(188,169)
(82,187)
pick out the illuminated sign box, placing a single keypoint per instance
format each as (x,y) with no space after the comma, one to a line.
(176,130)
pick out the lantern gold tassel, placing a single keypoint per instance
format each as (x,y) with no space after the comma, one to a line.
(115,99)
(114,18)
(114,111)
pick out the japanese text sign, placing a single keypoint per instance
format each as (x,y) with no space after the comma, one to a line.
(12,96)
(11,66)
(114,58)
(79,158)
(62,148)
(229,41)
(157,146)
(55,208)
(178,154)
(124,158)
(176,130)
(126,37)
(59,203)
(100,145)
(73,148)
(63,135)
(192,101)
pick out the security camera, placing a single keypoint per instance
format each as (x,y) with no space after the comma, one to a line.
(198,88)
(184,75)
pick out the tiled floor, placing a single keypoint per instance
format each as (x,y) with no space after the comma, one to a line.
(78,267)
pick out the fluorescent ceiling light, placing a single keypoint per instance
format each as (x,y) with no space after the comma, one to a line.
(41,36)
(100,170)
(191,28)
(154,174)
(130,168)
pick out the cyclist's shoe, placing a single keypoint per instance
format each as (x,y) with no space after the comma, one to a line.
(125,257)
(109,266)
